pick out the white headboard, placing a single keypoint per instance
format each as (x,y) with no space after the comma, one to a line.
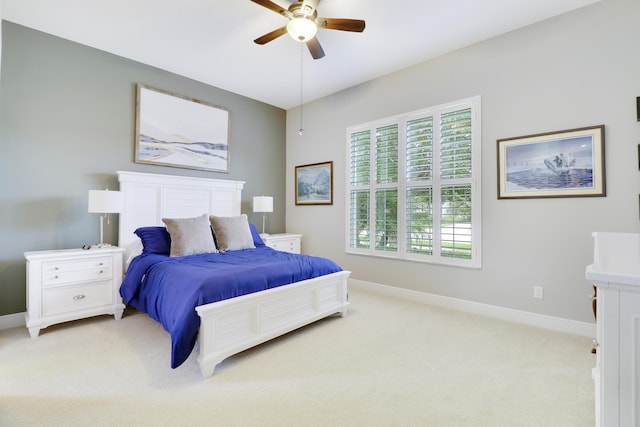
(150,197)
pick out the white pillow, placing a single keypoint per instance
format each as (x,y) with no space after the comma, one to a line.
(132,250)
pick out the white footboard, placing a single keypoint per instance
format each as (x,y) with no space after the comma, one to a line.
(231,326)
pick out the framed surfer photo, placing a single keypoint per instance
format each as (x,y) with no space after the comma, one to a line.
(568,163)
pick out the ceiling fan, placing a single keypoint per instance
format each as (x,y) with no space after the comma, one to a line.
(304,23)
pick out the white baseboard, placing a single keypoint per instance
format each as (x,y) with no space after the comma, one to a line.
(540,320)
(12,321)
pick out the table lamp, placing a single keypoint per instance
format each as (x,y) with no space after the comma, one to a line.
(263,204)
(104,202)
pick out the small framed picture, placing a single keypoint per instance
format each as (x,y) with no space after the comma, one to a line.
(314,184)
(568,163)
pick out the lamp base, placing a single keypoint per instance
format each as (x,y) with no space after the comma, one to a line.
(264,220)
(101,244)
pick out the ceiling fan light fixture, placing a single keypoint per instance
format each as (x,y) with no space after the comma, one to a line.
(303,24)
(302,29)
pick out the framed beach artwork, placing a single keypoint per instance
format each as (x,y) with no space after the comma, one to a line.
(173,130)
(568,163)
(314,184)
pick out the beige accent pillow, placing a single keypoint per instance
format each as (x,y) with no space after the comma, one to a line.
(232,233)
(190,236)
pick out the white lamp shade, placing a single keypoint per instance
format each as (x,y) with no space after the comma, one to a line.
(105,201)
(263,204)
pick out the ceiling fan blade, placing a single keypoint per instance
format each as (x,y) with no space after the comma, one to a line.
(315,49)
(271,6)
(271,36)
(355,25)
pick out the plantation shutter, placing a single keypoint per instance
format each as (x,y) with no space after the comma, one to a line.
(419,200)
(420,220)
(455,191)
(420,149)
(386,196)
(360,172)
(387,154)
(360,158)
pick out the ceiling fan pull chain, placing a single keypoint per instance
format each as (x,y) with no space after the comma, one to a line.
(301,130)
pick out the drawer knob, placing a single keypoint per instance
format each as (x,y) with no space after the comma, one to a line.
(79,297)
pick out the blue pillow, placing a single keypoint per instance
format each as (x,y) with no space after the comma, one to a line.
(155,240)
(257,240)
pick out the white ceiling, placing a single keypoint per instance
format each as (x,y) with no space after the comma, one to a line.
(212,40)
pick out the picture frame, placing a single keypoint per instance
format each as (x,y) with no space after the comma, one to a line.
(567,163)
(178,131)
(314,184)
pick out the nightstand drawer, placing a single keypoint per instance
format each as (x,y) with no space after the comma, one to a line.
(70,298)
(54,273)
(284,242)
(289,245)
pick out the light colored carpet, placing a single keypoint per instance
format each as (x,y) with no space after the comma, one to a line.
(388,363)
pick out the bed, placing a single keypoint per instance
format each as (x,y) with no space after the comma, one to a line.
(262,311)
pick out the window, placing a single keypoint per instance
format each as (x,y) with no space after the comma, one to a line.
(414,186)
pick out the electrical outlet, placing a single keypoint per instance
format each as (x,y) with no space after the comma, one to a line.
(538,292)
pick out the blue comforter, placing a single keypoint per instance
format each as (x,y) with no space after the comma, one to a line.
(169,289)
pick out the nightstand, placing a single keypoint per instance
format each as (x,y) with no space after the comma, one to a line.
(283,242)
(64,285)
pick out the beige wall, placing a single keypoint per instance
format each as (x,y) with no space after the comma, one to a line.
(579,69)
